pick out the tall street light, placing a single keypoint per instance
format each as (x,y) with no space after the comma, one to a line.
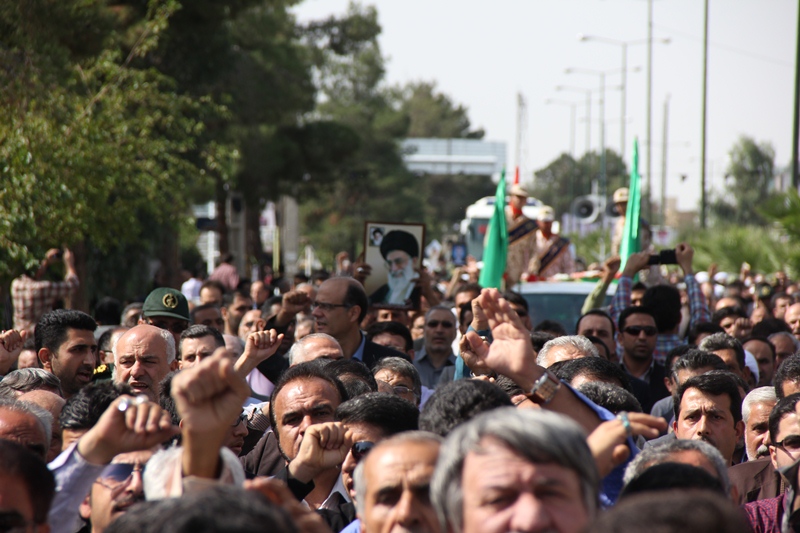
(588,93)
(572,106)
(602,75)
(624,45)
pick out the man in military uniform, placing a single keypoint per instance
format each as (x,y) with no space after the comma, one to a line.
(620,199)
(167,309)
(521,237)
(553,253)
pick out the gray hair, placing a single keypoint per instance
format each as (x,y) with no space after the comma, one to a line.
(169,340)
(28,379)
(537,435)
(759,395)
(789,336)
(663,452)
(298,348)
(41,414)
(400,366)
(578,342)
(359,476)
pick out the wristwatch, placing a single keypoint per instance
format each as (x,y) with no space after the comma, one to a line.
(545,388)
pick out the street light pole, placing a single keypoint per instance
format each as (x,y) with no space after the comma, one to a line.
(624,45)
(703,135)
(572,115)
(588,93)
(648,200)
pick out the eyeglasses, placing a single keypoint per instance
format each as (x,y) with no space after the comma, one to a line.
(239,419)
(117,475)
(637,330)
(791,444)
(437,323)
(397,389)
(174,327)
(360,449)
(326,307)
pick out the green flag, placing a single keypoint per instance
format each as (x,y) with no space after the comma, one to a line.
(630,236)
(495,252)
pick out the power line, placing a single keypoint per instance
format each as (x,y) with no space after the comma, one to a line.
(729,48)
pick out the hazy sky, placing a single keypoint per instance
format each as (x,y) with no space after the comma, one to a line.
(482,53)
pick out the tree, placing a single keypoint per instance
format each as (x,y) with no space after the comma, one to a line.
(749,183)
(94,152)
(564,179)
(433,114)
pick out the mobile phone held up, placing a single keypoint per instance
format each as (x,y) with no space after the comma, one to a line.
(664,257)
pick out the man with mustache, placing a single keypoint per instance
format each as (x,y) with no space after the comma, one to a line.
(143,356)
(709,408)
(66,348)
(118,487)
(756,479)
(437,352)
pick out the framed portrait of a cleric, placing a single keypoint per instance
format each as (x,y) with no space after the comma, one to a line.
(394,251)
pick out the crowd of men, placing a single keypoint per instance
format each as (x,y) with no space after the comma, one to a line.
(234,406)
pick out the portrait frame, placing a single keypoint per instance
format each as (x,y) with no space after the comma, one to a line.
(374,233)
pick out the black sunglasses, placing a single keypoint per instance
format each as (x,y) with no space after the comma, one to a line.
(444,323)
(792,443)
(361,449)
(636,330)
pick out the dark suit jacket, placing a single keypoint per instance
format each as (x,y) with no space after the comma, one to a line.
(756,480)
(655,388)
(264,459)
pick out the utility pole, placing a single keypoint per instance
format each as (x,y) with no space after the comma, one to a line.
(664,164)
(648,145)
(796,125)
(522,111)
(704,113)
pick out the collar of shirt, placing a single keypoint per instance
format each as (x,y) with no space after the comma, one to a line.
(358,355)
(422,355)
(643,377)
(337,496)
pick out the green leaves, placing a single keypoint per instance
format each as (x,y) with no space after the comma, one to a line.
(89,146)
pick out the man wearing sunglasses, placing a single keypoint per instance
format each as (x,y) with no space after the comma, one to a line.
(369,419)
(637,336)
(784,451)
(437,352)
(118,487)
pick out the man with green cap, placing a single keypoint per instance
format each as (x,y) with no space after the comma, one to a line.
(167,309)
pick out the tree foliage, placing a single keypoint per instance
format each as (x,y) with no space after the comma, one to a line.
(566,178)
(748,183)
(91,146)
(434,114)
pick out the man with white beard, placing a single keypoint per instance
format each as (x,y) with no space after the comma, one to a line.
(400,250)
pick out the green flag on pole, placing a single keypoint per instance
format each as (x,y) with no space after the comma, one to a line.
(630,236)
(495,252)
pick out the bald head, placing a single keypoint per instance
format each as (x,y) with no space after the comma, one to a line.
(143,356)
(315,346)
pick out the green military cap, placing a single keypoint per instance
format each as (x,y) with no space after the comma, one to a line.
(166,302)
